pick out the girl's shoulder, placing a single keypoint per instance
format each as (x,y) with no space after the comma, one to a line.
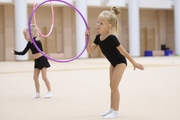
(112,36)
(98,35)
(37,38)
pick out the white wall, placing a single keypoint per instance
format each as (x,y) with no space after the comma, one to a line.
(150,4)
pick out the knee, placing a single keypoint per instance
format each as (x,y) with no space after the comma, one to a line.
(113,87)
(44,78)
(35,78)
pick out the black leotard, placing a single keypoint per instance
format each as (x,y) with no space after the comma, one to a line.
(31,46)
(109,49)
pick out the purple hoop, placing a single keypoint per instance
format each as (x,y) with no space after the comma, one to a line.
(29,29)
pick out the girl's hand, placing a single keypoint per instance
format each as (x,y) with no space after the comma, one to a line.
(139,66)
(87,32)
(12,51)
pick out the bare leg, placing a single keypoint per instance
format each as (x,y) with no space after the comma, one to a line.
(111,70)
(115,80)
(36,81)
(115,75)
(44,77)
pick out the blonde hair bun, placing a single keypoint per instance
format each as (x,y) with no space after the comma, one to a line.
(116,10)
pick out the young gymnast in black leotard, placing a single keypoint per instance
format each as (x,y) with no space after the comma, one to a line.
(107,40)
(40,62)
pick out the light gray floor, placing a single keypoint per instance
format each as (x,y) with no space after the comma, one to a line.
(81,90)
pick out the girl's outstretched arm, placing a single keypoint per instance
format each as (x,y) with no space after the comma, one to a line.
(128,56)
(24,51)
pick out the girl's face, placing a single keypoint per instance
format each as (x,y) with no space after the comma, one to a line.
(27,36)
(102,25)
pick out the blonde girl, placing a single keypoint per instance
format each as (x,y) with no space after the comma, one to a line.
(40,62)
(107,40)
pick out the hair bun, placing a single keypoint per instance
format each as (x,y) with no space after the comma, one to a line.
(116,10)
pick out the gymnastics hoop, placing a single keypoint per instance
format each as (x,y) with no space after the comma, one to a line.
(29,29)
(52,24)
